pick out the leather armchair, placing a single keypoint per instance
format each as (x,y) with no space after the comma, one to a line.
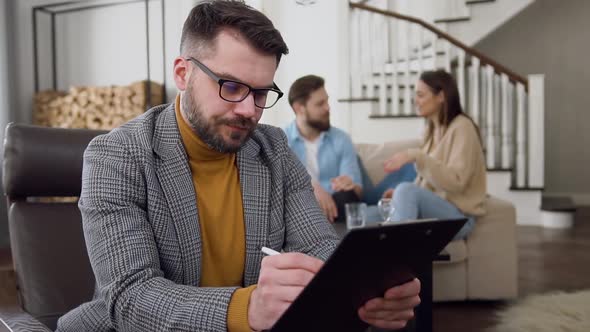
(49,253)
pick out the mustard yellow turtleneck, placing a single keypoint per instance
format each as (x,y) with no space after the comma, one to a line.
(221,217)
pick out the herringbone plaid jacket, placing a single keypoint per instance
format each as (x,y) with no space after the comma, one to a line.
(141,225)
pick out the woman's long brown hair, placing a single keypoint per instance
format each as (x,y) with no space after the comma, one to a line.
(438,81)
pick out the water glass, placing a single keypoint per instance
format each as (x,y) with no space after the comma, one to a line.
(356,215)
(386,208)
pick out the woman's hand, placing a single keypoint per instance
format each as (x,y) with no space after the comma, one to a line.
(397,161)
(388,193)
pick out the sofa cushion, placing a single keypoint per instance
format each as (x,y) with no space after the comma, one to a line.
(457,250)
(374,155)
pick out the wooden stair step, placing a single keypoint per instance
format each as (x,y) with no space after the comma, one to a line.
(558,204)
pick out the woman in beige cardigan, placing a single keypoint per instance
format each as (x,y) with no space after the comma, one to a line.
(451,181)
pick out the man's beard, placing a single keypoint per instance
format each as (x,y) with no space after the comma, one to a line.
(318,124)
(206,128)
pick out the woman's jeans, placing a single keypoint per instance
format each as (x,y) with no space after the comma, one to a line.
(413,202)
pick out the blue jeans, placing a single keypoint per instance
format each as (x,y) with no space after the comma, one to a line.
(413,202)
(372,194)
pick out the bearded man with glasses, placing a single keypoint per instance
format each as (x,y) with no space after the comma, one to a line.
(177,203)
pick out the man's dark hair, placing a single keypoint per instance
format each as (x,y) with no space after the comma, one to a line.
(207,19)
(303,87)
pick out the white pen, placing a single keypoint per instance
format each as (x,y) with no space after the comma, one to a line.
(269,251)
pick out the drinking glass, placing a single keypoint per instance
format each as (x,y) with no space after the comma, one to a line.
(356,215)
(386,208)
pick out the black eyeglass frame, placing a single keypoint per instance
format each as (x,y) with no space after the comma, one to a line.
(221,81)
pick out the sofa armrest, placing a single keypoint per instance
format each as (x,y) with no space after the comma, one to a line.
(492,263)
(20,321)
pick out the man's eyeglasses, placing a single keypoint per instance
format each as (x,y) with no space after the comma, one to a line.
(235,92)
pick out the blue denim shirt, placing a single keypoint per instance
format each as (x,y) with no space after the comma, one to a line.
(336,154)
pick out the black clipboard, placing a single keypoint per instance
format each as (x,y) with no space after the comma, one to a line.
(366,263)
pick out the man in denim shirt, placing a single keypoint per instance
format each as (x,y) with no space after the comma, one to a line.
(326,152)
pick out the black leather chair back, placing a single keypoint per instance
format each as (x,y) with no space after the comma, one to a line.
(48,249)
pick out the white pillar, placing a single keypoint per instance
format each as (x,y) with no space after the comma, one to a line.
(536,134)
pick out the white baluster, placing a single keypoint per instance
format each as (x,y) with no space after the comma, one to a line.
(490,132)
(474,91)
(483,102)
(448,56)
(420,49)
(433,48)
(394,40)
(355,55)
(407,78)
(461,75)
(395,88)
(536,137)
(520,135)
(382,92)
(372,55)
(366,66)
(394,58)
(506,123)
(388,87)
(497,121)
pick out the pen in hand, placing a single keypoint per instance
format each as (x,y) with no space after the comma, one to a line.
(269,252)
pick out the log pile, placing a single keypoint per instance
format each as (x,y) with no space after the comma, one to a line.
(94,107)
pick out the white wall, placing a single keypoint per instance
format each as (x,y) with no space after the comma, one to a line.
(316,38)
(97,47)
(423,9)
(559,49)
(93,49)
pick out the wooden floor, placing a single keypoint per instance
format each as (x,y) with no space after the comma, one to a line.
(549,260)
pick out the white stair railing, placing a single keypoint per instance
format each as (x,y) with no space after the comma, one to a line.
(388,53)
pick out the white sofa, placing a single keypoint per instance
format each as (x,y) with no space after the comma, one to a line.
(484,266)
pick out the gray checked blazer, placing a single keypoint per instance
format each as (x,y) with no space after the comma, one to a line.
(141,225)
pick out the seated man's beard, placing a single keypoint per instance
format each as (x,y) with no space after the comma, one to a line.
(319,124)
(206,128)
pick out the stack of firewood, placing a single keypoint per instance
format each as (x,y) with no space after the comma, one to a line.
(94,107)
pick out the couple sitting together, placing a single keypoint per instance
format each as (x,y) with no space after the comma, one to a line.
(446,178)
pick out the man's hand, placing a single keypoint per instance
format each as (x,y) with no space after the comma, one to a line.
(388,193)
(397,161)
(342,183)
(394,309)
(282,278)
(326,202)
